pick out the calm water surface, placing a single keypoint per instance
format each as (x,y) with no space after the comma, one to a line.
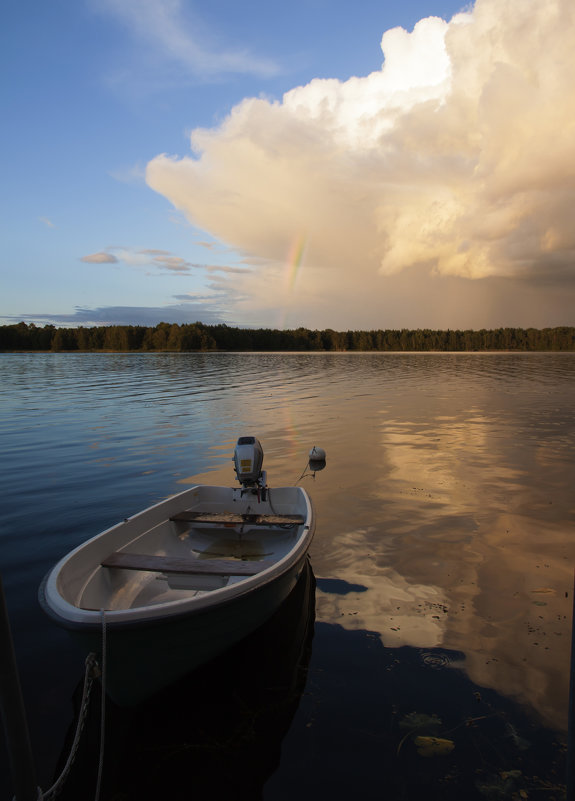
(443,558)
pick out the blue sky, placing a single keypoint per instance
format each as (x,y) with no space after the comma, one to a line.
(323,189)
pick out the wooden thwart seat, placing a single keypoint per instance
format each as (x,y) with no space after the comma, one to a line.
(230,517)
(184,565)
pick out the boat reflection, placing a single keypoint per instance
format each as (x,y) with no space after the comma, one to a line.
(217,733)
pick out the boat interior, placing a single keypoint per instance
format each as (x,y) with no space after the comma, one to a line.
(190,552)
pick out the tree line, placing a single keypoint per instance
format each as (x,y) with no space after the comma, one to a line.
(200,337)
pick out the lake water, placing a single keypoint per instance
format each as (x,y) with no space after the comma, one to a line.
(443,557)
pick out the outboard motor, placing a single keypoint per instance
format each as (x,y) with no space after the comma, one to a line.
(248,460)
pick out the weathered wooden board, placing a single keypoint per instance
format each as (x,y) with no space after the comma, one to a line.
(230,517)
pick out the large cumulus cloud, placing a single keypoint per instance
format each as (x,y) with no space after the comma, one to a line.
(456,159)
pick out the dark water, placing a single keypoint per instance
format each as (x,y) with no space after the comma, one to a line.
(443,558)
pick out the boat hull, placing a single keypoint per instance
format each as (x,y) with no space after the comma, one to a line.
(143,657)
(233,727)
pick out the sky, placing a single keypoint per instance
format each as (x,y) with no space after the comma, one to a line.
(321,163)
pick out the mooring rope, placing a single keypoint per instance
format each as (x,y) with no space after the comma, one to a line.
(305,473)
(89,675)
(103,708)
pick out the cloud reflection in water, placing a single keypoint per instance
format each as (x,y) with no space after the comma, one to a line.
(460,531)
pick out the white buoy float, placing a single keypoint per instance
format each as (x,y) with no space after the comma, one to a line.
(317,454)
(316,459)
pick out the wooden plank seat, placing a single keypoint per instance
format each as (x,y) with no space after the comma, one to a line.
(184,565)
(230,517)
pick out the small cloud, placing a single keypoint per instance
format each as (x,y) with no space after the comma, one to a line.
(197,297)
(48,223)
(205,309)
(135,174)
(216,268)
(100,258)
(145,257)
(174,264)
(177,34)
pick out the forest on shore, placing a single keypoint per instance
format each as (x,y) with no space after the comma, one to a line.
(200,337)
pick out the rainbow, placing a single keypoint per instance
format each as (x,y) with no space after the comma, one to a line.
(294,263)
(295,259)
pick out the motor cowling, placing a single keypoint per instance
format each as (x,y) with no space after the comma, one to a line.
(248,460)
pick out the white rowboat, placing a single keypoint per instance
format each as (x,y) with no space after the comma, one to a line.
(177,584)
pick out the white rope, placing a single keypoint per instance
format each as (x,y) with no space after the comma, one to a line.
(103,709)
(86,690)
(88,680)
